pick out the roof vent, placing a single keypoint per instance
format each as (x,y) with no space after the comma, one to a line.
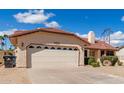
(91,37)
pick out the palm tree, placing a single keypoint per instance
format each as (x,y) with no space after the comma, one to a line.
(5,41)
(1,42)
(5,35)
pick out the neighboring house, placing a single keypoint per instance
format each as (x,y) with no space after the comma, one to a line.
(49,46)
(120,53)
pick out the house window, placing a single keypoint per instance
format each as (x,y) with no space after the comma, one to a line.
(102,52)
(75,49)
(46,48)
(38,46)
(52,48)
(59,48)
(92,53)
(64,48)
(70,48)
(31,46)
(85,53)
(110,53)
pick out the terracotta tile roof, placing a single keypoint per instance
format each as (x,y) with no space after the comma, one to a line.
(120,47)
(50,30)
(100,45)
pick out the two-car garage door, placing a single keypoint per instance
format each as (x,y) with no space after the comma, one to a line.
(52,56)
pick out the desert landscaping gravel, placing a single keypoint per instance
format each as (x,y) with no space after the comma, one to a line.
(14,76)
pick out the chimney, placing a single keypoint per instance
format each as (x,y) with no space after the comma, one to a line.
(91,37)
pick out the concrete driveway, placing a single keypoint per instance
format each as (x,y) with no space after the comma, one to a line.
(77,75)
(62,75)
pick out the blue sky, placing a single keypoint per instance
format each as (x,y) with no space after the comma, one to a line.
(77,21)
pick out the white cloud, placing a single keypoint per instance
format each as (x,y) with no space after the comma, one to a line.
(33,16)
(117,38)
(8,32)
(117,35)
(81,35)
(52,24)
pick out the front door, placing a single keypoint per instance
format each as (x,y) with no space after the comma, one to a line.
(86,57)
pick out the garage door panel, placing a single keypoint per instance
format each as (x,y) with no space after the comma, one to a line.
(55,53)
(48,57)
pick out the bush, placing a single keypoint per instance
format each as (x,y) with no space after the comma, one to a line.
(112,59)
(92,61)
(95,64)
(9,53)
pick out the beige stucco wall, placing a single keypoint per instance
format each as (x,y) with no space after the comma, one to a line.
(42,38)
(21,57)
(120,54)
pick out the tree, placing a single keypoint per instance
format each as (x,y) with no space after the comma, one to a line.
(2,42)
(5,36)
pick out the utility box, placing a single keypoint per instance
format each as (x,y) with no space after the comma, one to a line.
(9,61)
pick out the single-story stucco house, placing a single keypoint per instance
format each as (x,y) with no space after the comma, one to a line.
(56,47)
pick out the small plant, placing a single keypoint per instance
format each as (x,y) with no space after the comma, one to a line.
(92,61)
(120,63)
(9,53)
(112,59)
(95,64)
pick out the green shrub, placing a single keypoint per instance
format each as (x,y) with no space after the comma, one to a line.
(95,64)
(92,61)
(9,53)
(112,59)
